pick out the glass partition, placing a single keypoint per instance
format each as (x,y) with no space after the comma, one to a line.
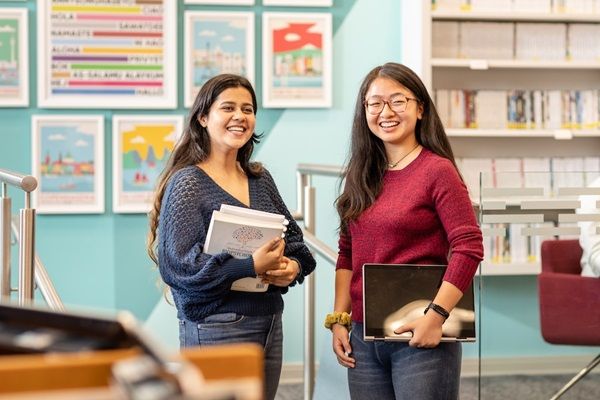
(518,211)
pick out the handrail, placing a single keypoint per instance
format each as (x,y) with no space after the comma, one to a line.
(31,270)
(306,212)
(320,169)
(27,183)
(42,279)
(320,247)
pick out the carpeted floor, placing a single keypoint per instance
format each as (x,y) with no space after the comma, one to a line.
(500,388)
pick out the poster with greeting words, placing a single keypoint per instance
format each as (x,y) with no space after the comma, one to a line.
(107,53)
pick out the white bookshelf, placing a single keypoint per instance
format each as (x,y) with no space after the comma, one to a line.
(499,269)
(483,64)
(559,134)
(504,74)
(513,16)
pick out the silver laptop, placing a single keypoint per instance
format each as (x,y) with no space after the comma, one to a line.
(394,294)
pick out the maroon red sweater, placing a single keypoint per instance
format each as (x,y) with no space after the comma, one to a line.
(423,215)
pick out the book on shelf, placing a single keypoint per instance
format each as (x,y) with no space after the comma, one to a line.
(240,231)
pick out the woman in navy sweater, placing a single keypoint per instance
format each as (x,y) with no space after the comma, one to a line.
(403,202)
(210,166)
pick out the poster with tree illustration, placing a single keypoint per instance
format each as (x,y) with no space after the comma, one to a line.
(14,78)
(142,145)
(68,161)
(296,60)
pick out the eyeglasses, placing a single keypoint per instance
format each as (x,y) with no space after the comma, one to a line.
(396,103)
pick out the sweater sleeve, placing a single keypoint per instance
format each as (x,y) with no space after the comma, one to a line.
(183,224)
(295,247)
(457,216)
(344,260)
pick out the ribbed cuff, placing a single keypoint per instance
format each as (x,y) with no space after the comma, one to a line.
(461,270)
(343,263)
(236,268)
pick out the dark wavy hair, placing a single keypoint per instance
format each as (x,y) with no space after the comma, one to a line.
(367,159)
(194,145)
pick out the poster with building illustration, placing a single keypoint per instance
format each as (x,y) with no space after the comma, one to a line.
(14,79)
(216,43)
(142,145)
(68,161)
(296,60)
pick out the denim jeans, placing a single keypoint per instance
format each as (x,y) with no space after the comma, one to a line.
(235,328)
(394,370)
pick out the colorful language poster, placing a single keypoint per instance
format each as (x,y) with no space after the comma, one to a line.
(141,147)
(215,43)
(14,81)
(297,60)
(107,54)
(68,162)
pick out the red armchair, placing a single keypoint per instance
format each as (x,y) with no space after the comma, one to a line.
(569,303)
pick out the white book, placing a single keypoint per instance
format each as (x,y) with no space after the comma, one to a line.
(240,236)
(491,109)
(251,213)
(445,36)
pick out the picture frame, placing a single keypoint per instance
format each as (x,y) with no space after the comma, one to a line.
(125,57)
(297,58)
(221,2)
(67,153)
(141,146)
(14,57)
(216,42)
(298,3)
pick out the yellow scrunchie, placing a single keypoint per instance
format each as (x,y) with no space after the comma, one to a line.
(342,318)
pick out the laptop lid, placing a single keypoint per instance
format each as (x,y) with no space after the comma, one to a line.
(394,294)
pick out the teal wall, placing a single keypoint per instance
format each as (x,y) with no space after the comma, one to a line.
(99,261)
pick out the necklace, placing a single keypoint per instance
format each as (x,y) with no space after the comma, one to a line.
(393,165)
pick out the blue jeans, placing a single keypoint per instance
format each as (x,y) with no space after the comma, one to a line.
(394,370)
(235,328)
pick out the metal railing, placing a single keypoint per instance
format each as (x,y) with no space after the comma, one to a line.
(306,196)
(31,269)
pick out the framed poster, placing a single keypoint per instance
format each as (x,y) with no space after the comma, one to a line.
(14,68)
(107,54)
(142,145)
(68,161)
(222,2)
(216,42)
(296,60)
(299,3)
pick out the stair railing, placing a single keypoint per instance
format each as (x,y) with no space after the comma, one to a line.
(31,269)
(306,197)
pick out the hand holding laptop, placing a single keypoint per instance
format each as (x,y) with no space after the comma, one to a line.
(425,331)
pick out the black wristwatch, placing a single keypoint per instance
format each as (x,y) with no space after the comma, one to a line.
(438,309)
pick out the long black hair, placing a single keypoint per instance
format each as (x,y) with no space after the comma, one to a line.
(194,145)
(367,160)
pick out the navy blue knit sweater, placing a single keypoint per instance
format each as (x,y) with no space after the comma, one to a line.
(201,283)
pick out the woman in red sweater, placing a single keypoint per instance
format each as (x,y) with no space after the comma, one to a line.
(403,202)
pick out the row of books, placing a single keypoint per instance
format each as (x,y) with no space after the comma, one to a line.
(528,172)
(518,41)
(535,6)
(513,247)
(519,109)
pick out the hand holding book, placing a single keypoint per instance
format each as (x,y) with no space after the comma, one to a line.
(268,256)
(283,276)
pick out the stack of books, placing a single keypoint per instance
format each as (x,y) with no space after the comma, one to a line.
(240,231)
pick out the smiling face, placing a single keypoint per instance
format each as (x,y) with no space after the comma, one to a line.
(231,120)
(393,128)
